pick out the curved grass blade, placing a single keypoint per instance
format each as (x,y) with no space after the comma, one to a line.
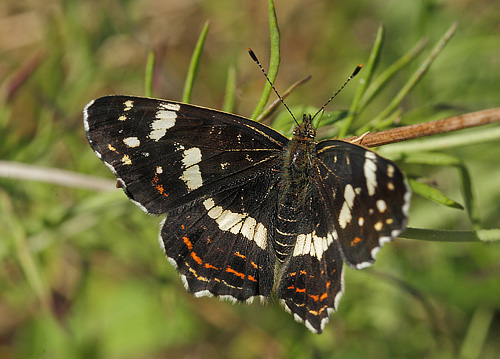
(368,72)
(274,60)
(230,93)
(148,76)
(435,235)
(194,64)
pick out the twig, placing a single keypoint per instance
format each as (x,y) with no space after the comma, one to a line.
(405,133)
(54,175)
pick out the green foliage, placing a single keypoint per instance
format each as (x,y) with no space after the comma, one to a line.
(81,274)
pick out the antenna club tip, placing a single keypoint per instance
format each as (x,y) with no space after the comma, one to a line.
(252,54)
(356,70)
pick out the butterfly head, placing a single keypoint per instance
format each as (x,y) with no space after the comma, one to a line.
(305,131)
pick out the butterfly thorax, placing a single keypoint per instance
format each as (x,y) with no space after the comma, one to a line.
(295,185)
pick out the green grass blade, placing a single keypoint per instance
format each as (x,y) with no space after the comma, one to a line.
(470,199)
(413,81)
(270,109)
(380,81)
(148,77)
(230,93)
(477,333)
(434,235)
(194,64)
(368,70)
(432,194)
(274,60)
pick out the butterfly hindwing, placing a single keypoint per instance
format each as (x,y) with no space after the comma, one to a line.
(220,243)
(166,154)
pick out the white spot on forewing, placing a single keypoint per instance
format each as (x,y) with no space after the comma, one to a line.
(312,244)
(122,118)
(164,119)
(159,169)
(192,177)
(345,215)
(370,172)
(128,105)
(191,157)
(170,106)
(237,223)
(132,141)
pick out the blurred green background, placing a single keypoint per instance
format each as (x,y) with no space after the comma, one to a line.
(81,272)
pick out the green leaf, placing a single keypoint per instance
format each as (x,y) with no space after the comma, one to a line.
(432,193)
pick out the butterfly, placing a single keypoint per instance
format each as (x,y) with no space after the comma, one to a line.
(250,212)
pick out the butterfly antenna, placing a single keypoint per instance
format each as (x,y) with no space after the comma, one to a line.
(254,58)
(354,73)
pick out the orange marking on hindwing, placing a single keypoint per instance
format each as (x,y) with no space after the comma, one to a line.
(196,258)
(238,254)
(238,274)
(188,243)
(355,241)
(314,297)
(208,265)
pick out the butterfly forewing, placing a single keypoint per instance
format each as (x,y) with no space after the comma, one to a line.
(167,154)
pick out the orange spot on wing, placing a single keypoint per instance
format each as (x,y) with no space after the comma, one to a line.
(314,297)
(292,274)
(298,290)
(238,254)
(290,287)
(196,258)
(323,296)
(208,265)
(355,241)
(328,284)
(188,243)
(238,274)
(302,272)
(254,265)
(252,279)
